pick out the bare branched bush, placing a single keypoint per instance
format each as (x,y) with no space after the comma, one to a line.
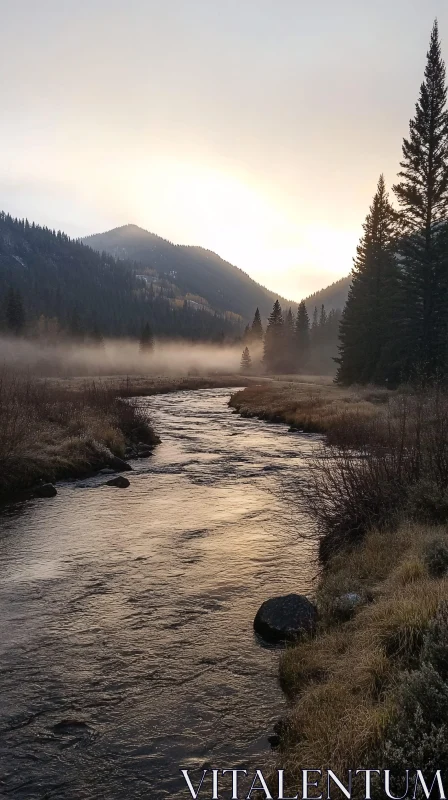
(379,469)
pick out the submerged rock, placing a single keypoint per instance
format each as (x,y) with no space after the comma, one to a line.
(144,448)
(45,490)
(120,482)
(70,727)
(286,618)
(106,471)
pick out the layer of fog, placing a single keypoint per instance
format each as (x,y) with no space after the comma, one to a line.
(119,357)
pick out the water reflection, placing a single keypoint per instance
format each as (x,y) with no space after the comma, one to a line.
(127,646)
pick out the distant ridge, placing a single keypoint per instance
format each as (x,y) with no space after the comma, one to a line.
(334,296)
(204,274)
(194,270)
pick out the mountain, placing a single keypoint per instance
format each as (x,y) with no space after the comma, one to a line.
(78,289)
(333,297)
(194,270)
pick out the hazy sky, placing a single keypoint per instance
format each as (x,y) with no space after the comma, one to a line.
(256,128)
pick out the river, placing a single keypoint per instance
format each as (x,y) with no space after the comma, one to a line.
(127,648)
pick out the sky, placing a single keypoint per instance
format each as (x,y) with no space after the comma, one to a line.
(255,128)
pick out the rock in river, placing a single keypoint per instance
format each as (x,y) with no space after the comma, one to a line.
(120,482)
(45,490)
(289,617)
(119,465)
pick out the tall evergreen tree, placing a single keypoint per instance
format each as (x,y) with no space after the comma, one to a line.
(367,330)
(147,339)
(289,346)
(96,336)
(323,316)
(274,340)
(302,336)
(423,196)
(247,337)
(75,327)
(14,312)
(246,361)
(257,327)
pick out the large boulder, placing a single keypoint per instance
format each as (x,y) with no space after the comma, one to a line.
(45,490)
(119,465)
(120,482)
(290,617)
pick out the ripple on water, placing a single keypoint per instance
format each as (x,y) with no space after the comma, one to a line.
(127,645)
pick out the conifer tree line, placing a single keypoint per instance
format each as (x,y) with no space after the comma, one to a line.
(394,326)
(293,343)
(52,286)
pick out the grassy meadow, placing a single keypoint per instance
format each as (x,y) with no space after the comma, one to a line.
(372,686)
(57,428)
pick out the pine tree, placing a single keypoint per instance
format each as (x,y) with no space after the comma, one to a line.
(146,339)
(97,336)
(75,327)
(289,360)
(322,317)
(274,341)
(302,336)
(368,327)
(257,328)
(247,337)
(423,196)
(14,312)
(246,361)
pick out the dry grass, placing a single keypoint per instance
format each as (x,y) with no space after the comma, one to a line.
(384,460)
(344,683)
(147,385)
(51,431)
(310,407)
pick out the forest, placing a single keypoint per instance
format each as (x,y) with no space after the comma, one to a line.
(394,328)
(52,286)
(292,343)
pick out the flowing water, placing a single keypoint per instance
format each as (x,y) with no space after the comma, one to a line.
(126,640)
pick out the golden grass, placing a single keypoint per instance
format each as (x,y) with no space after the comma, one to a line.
(313,408)
(343,684)
(146,385)
(51,430)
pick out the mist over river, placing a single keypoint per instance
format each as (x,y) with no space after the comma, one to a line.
(126,641)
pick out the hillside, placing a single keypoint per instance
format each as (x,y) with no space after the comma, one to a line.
(192,269)
(333,297)
(80,290)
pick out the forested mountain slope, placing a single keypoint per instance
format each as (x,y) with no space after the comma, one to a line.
(83,290)
(332,297)
(193,269)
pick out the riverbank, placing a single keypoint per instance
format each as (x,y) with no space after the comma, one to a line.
(136,651)
(54,429)
(371,688)
(148,385)
(319,407)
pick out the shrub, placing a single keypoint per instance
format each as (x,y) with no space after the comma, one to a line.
(381,469)
(419,733)
(428,502)
(436,558)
